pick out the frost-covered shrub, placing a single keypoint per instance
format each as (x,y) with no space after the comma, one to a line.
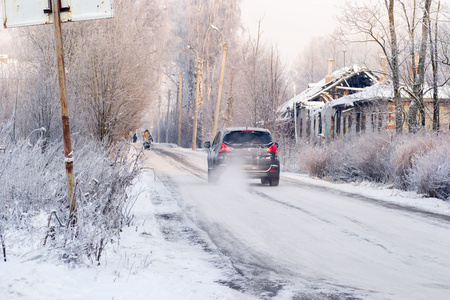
(34,187)
(316,160)
(418,162)
(430,173)
(103,205)
(404,149)
(370,157)
(350,159)
(289,152)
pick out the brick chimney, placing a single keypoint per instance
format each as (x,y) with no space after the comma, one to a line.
(329,77)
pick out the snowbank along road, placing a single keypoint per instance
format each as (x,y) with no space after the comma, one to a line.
(300,241)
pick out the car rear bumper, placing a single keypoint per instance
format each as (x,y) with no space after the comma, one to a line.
(273,171)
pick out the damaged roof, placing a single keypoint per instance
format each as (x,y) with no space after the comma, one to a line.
(383,91)
(319,93)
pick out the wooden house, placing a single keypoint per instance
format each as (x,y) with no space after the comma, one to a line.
(352,101)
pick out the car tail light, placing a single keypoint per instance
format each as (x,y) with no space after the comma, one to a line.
(224,148)
(273,149)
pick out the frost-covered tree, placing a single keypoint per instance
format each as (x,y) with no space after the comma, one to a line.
(113,68)
(261,83)
(376,22)
(201,28)
(402,30)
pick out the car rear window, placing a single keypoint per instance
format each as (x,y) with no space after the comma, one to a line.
(247,137)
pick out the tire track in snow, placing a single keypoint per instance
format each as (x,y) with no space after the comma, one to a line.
(390,205)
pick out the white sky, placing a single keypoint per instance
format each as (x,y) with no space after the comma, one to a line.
(291,23)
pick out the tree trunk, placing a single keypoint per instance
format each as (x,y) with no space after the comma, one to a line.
(417,104)
(394,67)
(434,55)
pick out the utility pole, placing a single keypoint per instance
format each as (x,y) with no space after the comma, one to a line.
(194,133)
(230,100)
(216,116)
(158,125)
(180,98)
(56,6)
(167,116)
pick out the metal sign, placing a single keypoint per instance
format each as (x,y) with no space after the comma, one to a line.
(25,12)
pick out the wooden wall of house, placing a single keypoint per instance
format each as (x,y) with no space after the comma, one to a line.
(444,115)
(334,122)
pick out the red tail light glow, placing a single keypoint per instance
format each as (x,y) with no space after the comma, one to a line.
(273,149)
(224,148)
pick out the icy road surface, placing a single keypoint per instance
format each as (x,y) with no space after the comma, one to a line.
(301,241)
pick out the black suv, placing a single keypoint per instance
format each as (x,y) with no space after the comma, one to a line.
(252,149)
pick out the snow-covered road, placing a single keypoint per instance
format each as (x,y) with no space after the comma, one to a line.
(305,241)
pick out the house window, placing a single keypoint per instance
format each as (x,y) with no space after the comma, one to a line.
(380,121)
(308,125)
(320,123)
(363,121)
(344,131)
(358,121)
(301,127)
(373,122)
(350,121)
(314,128)
(332,127)
(338,122)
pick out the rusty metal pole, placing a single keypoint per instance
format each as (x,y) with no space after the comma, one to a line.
(216,117)
(56,6)
(180,98)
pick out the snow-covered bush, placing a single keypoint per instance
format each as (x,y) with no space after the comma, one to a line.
(369,156)
(34,197)
(289,152)
(404,149)
(430,173)
(418,162)
(348,159)
(316,160)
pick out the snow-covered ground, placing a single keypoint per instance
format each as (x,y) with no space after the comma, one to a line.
(164,255)
(143,265)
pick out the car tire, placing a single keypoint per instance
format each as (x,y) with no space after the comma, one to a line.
(265,180)
(274,181)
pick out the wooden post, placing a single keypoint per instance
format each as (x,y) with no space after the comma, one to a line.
(167,116)
(180,98)
(194,133)
(230,101)
(56,6)
(216,117)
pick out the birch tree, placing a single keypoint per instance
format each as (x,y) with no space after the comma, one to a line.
(112,70)
(201,29)
(116,68)
(262,83)
(367,23)
(418,64)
